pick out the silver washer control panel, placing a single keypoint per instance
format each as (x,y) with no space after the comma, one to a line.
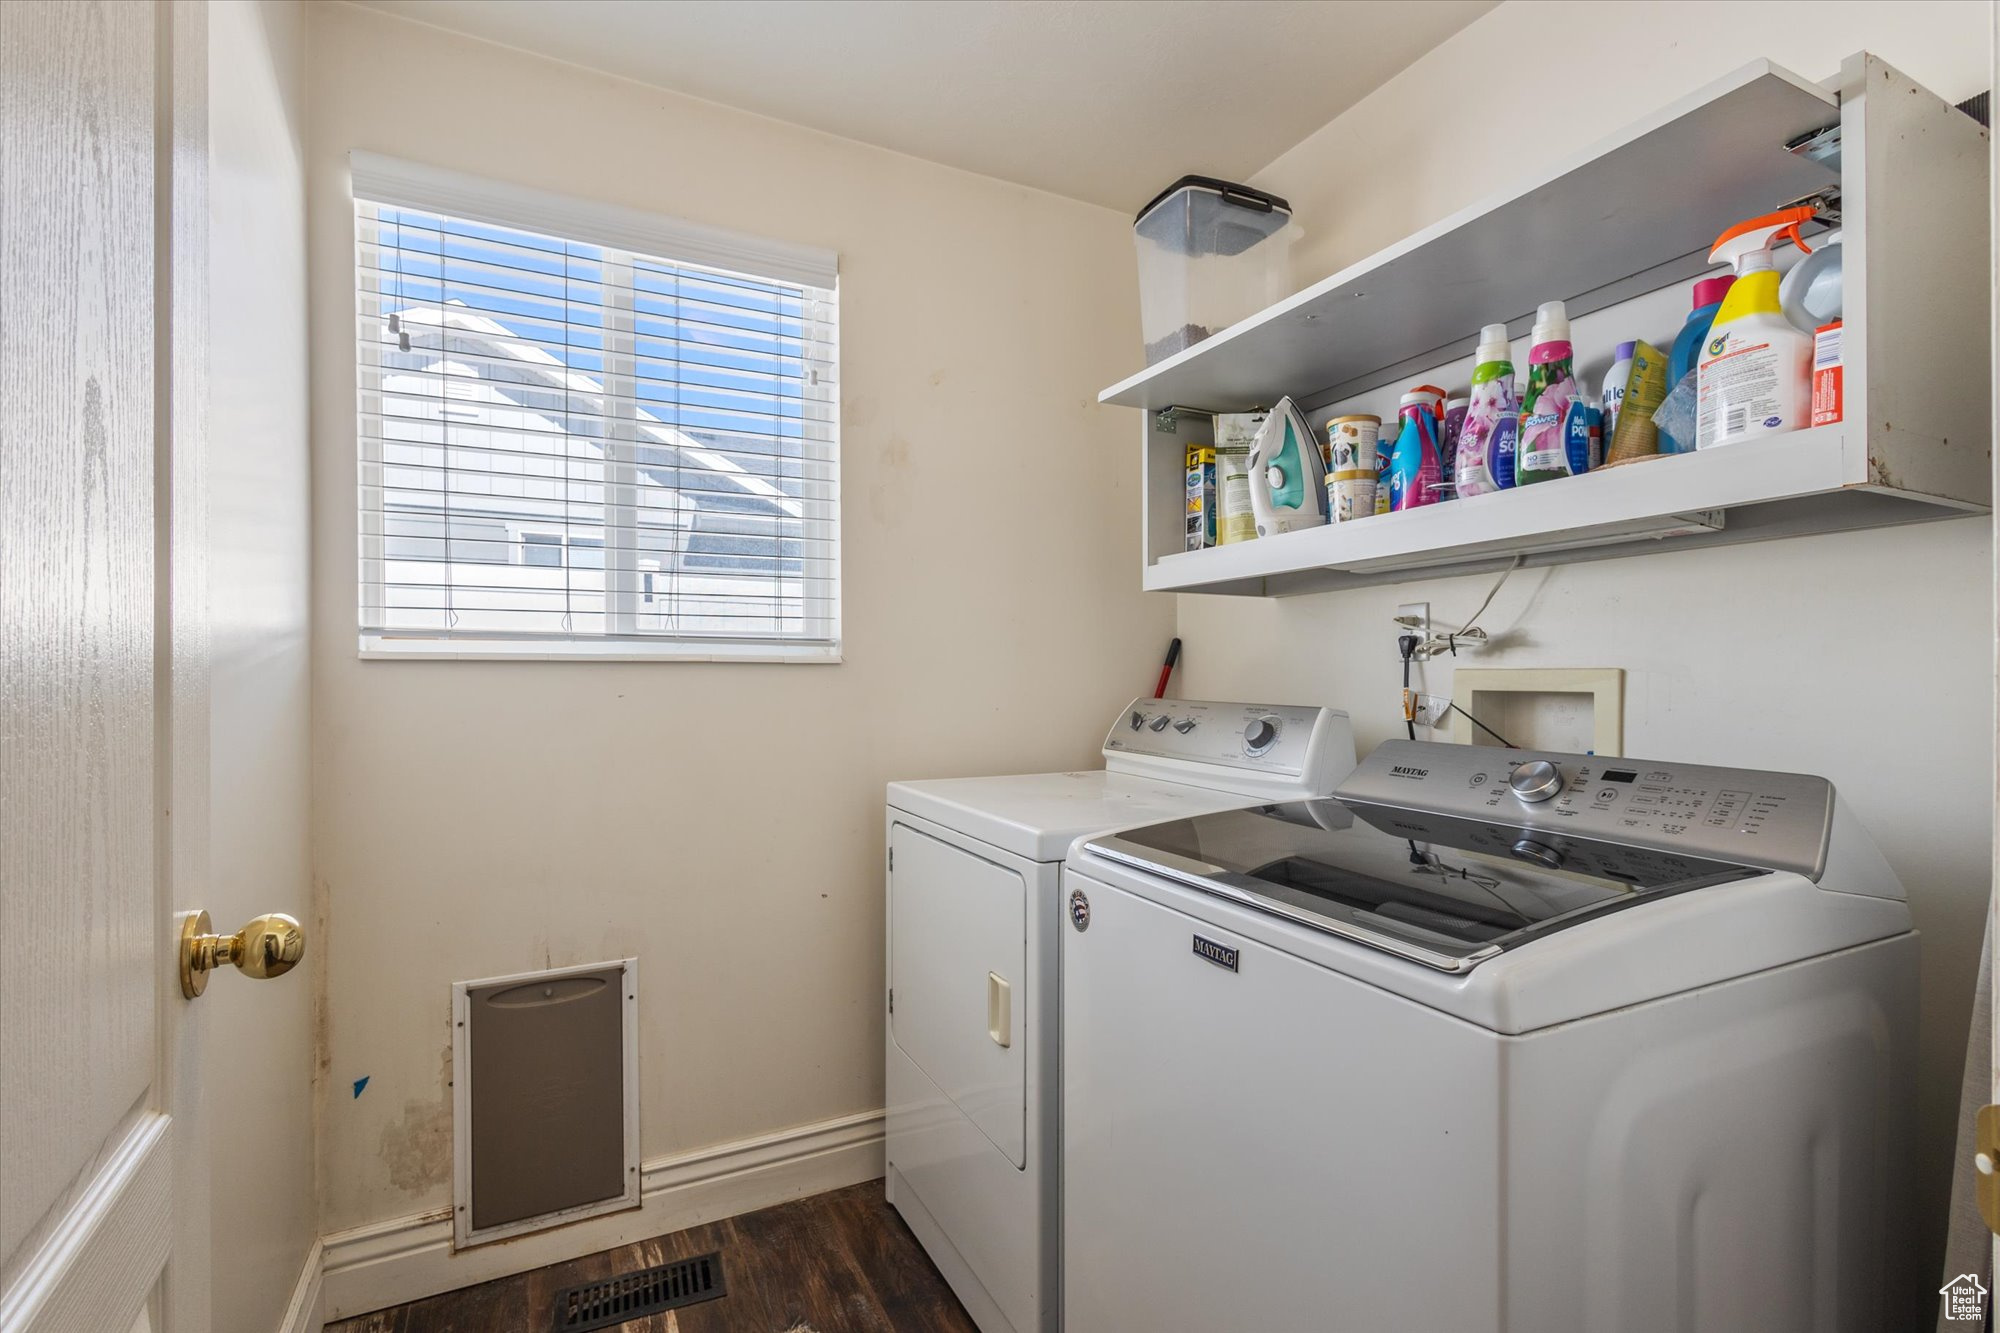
(1777,821)
(1269,737)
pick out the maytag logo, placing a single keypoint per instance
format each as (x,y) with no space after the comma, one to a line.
(1219,954)
(1405,771)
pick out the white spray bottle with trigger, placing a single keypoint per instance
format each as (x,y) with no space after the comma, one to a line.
(1754,373)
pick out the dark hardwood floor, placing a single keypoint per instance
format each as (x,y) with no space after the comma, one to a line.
(834,1263)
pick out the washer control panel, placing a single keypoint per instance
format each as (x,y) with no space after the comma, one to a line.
(1779,821)
(1270,737)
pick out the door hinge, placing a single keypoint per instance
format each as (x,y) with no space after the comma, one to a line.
(892,999)
(1986,1165)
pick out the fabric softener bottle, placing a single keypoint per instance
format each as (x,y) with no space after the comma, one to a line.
(1708,294)
(1492,400)
(1551,399)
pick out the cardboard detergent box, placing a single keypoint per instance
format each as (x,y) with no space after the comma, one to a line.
(1201,497)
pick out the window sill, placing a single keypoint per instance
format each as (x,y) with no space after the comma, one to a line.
(381,648)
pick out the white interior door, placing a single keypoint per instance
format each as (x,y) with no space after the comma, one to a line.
(103,1219)
(1993,902)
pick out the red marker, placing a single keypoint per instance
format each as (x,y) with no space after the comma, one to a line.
(1167,669)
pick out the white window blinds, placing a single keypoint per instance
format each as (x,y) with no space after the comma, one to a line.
(588,431)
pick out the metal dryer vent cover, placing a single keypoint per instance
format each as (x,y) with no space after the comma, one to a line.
(615,1300)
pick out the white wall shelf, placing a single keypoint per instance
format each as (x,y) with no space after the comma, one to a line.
(1783,487)
(1630,217)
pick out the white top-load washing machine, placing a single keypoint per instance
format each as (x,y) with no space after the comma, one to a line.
(1541,1043)
(974,904)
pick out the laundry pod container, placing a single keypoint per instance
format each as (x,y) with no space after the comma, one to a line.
(1210,253)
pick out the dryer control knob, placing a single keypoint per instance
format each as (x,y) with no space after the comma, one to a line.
(1160,722)
(1138,720)
(1537,780)
(1260,735)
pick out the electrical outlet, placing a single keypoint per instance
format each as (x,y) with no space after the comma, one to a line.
(1414,618)
(1432,710)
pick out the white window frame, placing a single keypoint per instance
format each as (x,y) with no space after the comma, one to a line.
(389,182)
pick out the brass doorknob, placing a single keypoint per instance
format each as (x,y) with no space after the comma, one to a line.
(268,946)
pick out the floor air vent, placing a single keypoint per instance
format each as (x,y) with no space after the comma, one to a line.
(614,1300)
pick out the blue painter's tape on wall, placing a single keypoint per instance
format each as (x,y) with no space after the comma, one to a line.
(361,1083)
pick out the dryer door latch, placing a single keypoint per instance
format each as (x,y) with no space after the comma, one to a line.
(999,1009)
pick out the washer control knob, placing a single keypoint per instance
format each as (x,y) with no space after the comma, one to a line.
(1260,735)
(1160,722)
(1541,854)
(1184,726)
(1138,719)
(1535,781)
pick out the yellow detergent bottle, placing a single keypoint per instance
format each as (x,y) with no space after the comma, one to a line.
(1755,370)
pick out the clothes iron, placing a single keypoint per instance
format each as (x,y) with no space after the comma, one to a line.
(1287,473)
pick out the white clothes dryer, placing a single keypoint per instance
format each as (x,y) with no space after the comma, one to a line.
(975,900)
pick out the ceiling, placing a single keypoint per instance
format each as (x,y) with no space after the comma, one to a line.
(1102,100)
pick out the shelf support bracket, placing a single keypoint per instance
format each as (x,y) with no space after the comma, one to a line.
(1167,421)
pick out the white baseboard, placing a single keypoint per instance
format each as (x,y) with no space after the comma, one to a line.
(307,1311)
(409,1258)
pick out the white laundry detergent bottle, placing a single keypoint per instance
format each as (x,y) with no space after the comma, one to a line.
(1754,375)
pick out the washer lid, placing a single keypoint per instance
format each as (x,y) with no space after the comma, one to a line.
(1441,890)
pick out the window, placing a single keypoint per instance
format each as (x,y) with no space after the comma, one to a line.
(542,548)
(589,432)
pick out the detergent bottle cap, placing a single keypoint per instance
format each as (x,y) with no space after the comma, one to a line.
(1551,323)
(1493,345)
(1710,291)
(1625,350)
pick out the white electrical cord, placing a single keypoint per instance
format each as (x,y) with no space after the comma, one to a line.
(1438,644)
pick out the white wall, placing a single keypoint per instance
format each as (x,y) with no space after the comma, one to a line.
(1865,657)
(721,822)
(260,1107)
(1437,137)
